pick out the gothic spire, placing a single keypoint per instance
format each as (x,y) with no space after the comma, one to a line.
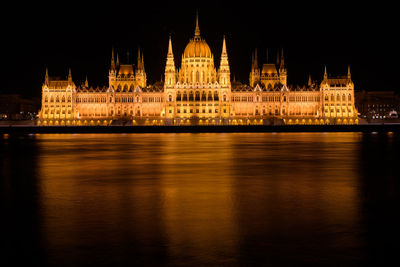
(224,70)
(170,56)
(325,74)
(309,80)
(86,82)
(224,47)
(170,53)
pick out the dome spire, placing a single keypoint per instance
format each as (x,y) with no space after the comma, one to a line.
(197,29)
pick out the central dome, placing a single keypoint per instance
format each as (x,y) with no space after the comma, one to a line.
(197,48)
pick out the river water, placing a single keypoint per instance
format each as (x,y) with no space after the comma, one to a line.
(231,199)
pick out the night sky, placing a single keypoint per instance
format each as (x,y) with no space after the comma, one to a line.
(81,35)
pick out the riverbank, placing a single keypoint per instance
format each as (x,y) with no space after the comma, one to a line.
(201,129)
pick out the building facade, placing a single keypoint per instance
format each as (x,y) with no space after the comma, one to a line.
(198,93)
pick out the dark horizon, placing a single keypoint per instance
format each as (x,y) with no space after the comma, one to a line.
(81,36)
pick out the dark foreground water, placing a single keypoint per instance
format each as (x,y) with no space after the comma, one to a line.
(200,199)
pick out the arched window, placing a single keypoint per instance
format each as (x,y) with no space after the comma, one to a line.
(191,98)
(69,98)
(57,99)
(178,96)
(349,98)
(224,98)
(326,97)
(125,87)
(185,98)
(337,97)
(63,99)
(216,98)
(203,96)
(344,97)
(169,98)
(332,97)
(197,77)
(209,98)
(197,96)
(46,99)
(119,87)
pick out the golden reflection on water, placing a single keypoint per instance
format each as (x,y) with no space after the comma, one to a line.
(206,198)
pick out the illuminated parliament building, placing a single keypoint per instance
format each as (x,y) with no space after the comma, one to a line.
(197,93)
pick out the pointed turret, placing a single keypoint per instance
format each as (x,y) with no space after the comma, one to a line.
(139,60)
(255,71)
(282,70)
(309,80)
(141,78)
(117,63)
(325,74)
(86,82)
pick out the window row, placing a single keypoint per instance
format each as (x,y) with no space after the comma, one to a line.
(338,98)
(196,97)
(57,99)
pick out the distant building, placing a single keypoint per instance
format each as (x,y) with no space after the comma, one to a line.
(15,107)
(377,105)
(198,93)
